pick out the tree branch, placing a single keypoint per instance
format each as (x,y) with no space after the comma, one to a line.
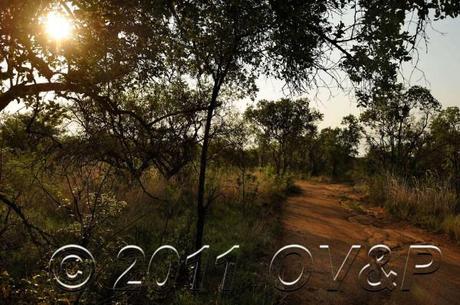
(30,227)
(24,90)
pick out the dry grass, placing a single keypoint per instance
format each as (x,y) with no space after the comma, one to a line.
(429,202)
(451,225)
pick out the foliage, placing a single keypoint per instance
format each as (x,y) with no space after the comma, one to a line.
(62,200)
(396,127)
(281,126)
(136,41)
(337,147)
(154,127)
(442,153)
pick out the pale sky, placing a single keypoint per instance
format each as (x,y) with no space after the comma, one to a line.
(440,63)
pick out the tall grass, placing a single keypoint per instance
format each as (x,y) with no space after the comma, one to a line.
(428,202)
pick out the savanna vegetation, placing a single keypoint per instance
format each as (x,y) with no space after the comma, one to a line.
(128,135)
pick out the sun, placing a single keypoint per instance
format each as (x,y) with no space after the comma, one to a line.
(58,26)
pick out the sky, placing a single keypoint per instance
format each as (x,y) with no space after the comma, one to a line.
(440,63)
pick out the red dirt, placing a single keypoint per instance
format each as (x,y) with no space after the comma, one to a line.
(330,214)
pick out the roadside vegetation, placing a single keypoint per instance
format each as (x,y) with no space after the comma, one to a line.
(427,202)
(414,167)
(94,205)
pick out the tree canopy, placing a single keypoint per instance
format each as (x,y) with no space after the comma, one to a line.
(127,43)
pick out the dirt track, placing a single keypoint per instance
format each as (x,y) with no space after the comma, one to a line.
(330,214)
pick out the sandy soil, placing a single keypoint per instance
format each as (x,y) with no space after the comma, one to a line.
(332,214)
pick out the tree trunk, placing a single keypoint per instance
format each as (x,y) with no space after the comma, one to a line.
(201,207)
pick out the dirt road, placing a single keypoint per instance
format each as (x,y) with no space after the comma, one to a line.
(332,214)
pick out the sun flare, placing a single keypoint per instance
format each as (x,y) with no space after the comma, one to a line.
(58,26)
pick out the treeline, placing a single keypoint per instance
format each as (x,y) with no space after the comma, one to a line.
(404,148)
(406,133)
(287,138)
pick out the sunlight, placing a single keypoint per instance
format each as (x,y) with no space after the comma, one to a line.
(58,27)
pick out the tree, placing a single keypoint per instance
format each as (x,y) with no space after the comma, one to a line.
(157,127)
(445,145)
(282,125)
(111,43)
(396,126)
(337,147)
(38,129)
